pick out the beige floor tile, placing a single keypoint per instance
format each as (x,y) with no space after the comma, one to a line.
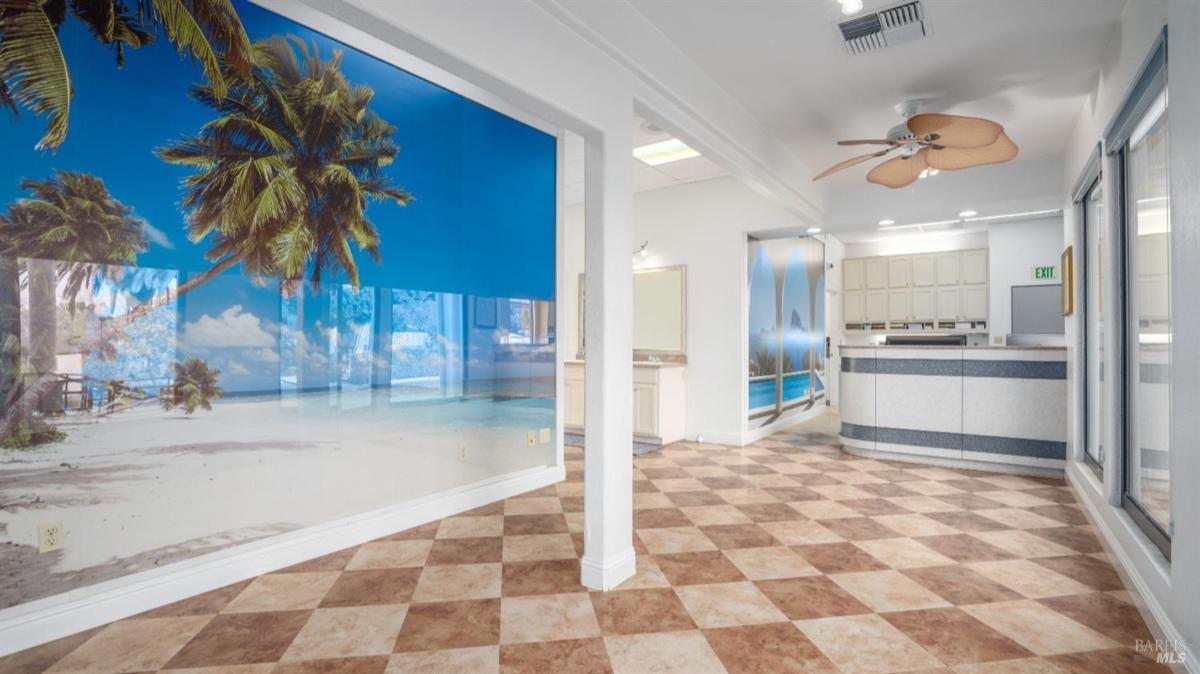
(679,484)
(922,504)
(916,526)
(675,539)
(456,582)
(933,473)
(709,471)
(478,660)
(1039,628)
(538,546)
(547,617)
(800,532)
(770,563)
(540,505)
(745,496)
(648,500)
(931,488)
(1023,544)
(824,510)
(840,492)
(1020,666)
(728,604)
(471,527)
(662,653)
(904,553)
(793,469)
(857,477)
(1018,499)
(888,591)
(343,632)
(703,516)
(574,522)
(647,576)
(132,646)
(1030,579)
(391,554)
(569,489)
(866,644)
(1018,518)
(283,592)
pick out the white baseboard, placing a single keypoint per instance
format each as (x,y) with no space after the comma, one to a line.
(606,574)
(1147,601)
(57,616)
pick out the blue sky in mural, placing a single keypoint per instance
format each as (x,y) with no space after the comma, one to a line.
(482,220)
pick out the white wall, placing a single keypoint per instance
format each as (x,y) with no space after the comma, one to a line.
(703,226)
(835,252)
(1014,248)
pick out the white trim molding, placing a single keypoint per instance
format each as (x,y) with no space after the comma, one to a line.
(43,620)
(605,574)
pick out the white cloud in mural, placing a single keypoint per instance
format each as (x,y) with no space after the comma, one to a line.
(236,368)
(158,236)
(234,328)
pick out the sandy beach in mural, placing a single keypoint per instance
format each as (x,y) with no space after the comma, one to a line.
(144,488)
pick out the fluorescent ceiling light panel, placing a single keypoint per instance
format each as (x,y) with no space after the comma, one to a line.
(886,222)
(937,223)
(664,152)
(1014,216)
(967,213)
(814,230)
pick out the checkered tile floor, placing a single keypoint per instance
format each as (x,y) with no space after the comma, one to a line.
(784,556)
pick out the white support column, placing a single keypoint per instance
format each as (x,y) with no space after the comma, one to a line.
(608,557)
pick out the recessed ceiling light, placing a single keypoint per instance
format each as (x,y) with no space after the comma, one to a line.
(814,230)
(967,214)
(664,152)
(886,222)
(851,6)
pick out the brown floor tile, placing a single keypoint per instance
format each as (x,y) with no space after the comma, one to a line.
(797,493)
(967,521)
(1111,661)
(810,597)
(209,603)
(697,568)
(520,525)
(814,479)
(39,658)
(769,512)
(674,472)
(1079,539)
(961,585)
(1084,569)
(767,649)
(551,576)
(644,486)
(955,637)
(839,558)
(455,624)
(654,518)
(424,532)
(887,489)
(582,656)
(1115,619)
(372,586)
(638,611)
(972,485)
(964,548)
(750,469)
(371,664)
(571,504)
(875,506)
(1057,494)
(465,551)
(683,499)
(494,508)
(732,536)
(859,528)
(730,482)
(1069,515)
(969,501)
(241,638)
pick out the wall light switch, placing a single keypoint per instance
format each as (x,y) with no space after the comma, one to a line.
(532,438)
(545,435)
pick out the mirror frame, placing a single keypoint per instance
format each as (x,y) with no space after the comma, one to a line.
(669,355)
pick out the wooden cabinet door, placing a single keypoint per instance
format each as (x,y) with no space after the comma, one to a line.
(875,269)
(948,304)
(645,409)
(898,305)
(573,390)
(924,271)
(975,303)
(923,304)
(898,271)
(975,266)
(875,306)
(949,268)
(852,274)
(852,307)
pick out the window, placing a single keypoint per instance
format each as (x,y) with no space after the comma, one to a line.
(1098,386)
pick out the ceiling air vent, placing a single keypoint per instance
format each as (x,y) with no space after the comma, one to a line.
(887,27)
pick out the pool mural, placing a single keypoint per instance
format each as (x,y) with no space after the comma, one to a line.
(786,326)
(253,280)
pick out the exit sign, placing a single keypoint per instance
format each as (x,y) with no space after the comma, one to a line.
(1045,273)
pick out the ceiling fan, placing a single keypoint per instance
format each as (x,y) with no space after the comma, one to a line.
(932,141)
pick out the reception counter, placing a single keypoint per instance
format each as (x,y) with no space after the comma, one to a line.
(999,408)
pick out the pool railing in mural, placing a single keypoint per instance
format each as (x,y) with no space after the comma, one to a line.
(231,307)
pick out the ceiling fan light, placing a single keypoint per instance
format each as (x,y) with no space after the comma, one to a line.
(886,221)
(851,6)
(814,230)
(967,213)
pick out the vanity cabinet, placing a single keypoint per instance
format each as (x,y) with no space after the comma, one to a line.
(934,291)
(659,400)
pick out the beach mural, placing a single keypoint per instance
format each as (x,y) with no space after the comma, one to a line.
(251,280)
(786,327)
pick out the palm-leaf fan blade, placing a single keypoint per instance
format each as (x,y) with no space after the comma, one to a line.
(33,67)
(853,161)
(955,130)
(952,158)
(869,141)
(899,171)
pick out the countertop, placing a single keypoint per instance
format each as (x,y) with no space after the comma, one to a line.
(955,346)
(636,363)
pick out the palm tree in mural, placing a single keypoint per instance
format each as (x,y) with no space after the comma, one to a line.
(68,230)
(195,387)
(34,72)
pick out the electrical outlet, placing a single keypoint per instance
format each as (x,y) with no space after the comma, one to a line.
(532,438)
(545,435)
(50,536)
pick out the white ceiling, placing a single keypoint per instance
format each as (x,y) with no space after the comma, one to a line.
(645,177)
(1028,64)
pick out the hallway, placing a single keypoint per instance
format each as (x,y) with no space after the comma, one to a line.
(787,555)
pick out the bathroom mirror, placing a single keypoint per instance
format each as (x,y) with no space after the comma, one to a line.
(659,312)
